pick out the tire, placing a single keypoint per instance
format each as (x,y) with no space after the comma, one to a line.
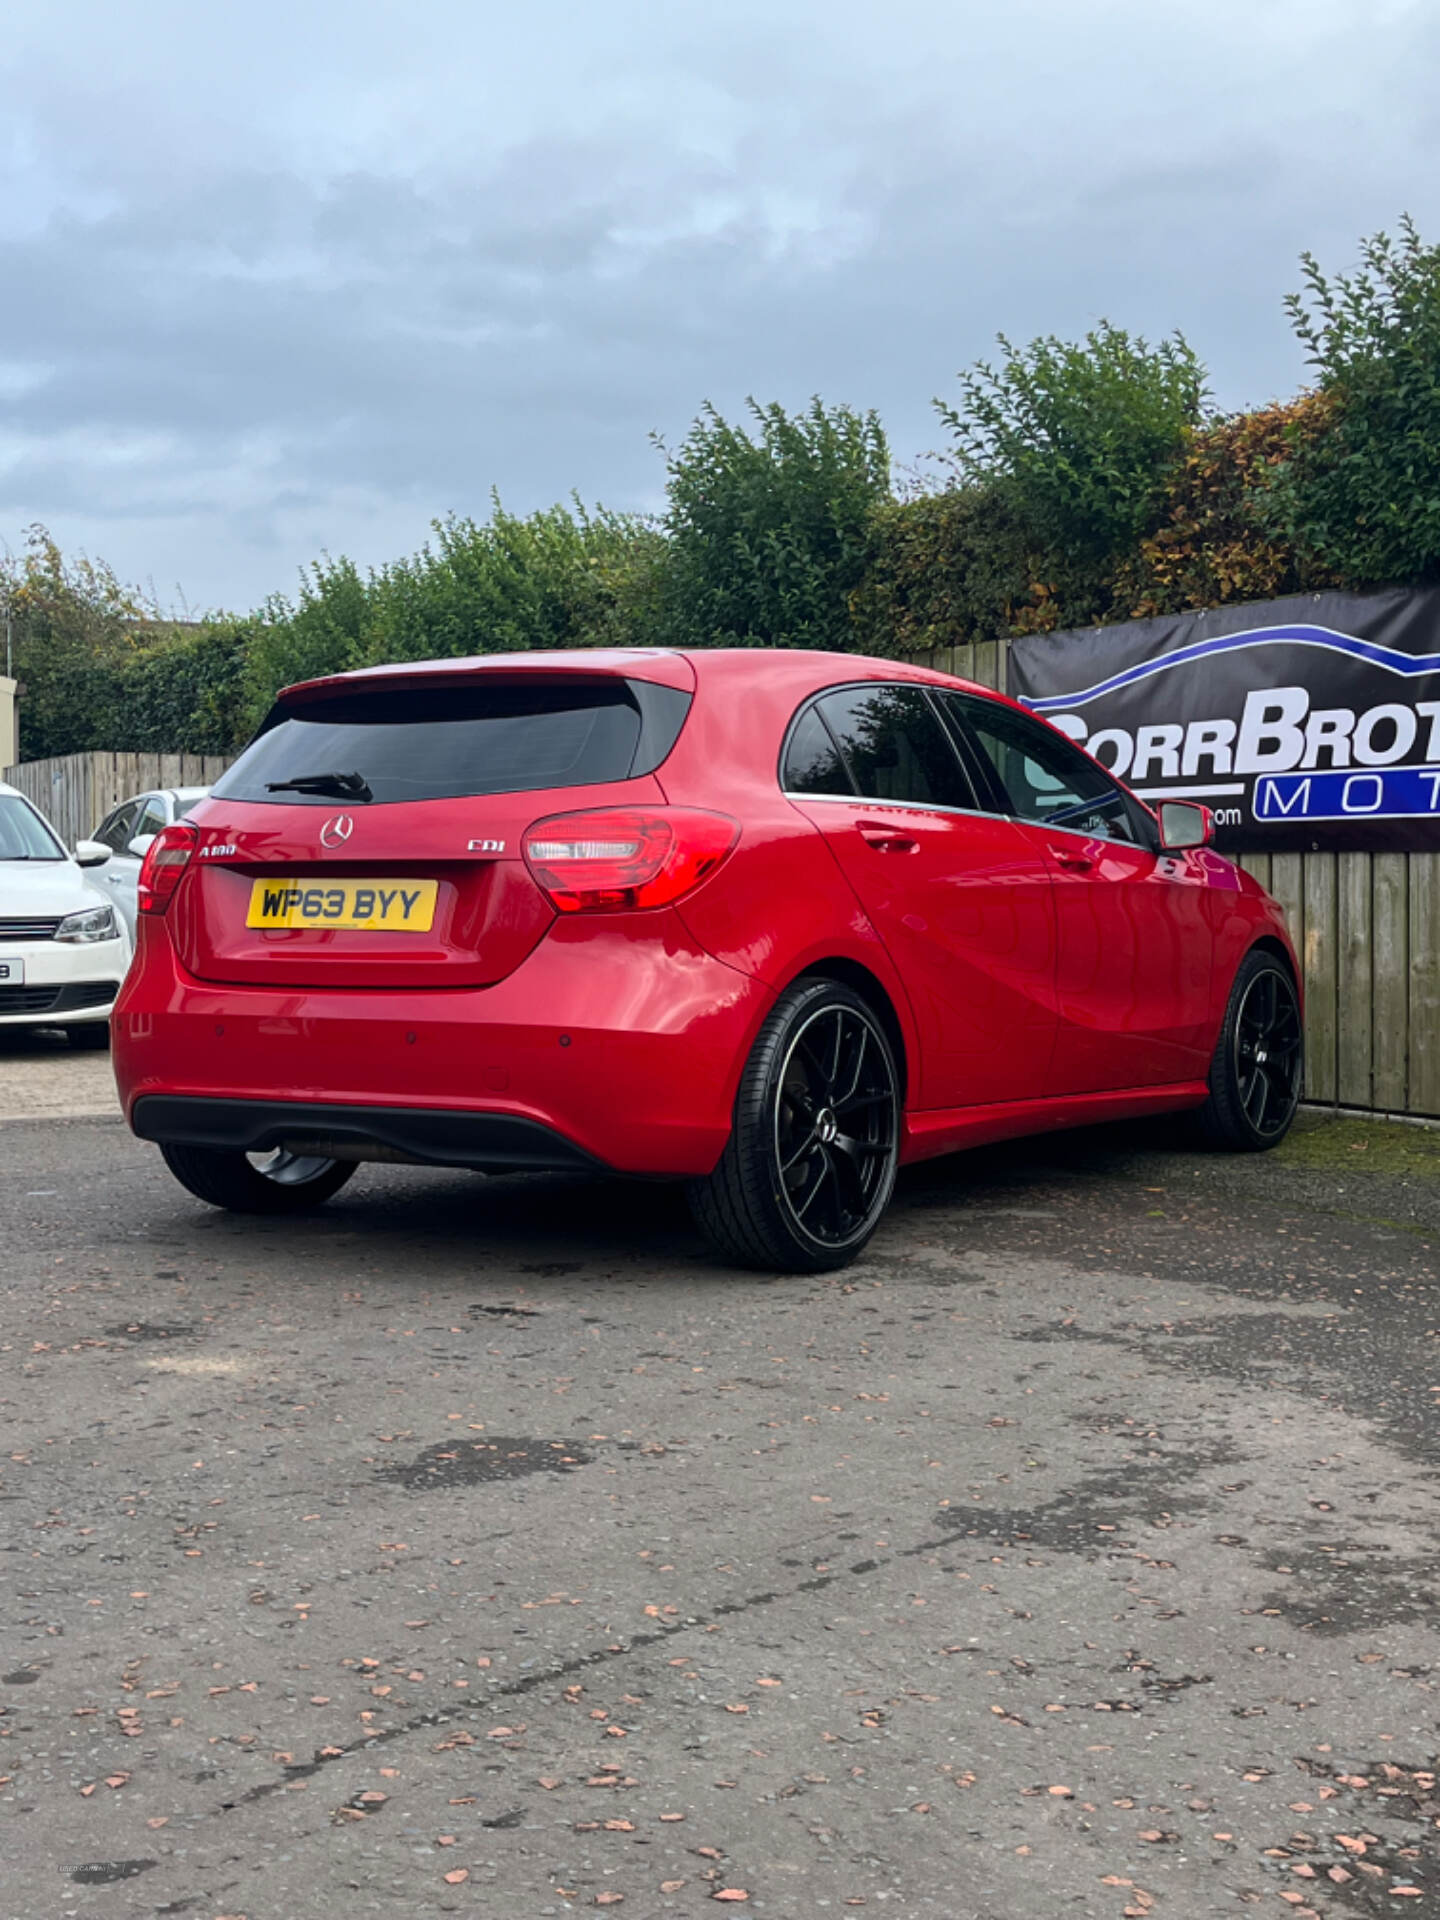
(278,1182)
(810,1164)
(1259,1064)
(94,1034)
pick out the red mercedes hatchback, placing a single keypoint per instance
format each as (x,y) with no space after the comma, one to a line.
(772,923)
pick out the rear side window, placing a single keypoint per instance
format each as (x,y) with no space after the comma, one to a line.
(460,737)
(895,747)
(812,759)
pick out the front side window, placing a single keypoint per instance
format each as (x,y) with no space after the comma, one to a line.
(1046,779)
(117,829)
(152,819)
(894,747)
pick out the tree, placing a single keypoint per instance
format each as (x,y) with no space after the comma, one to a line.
(770,530)
(563,577)
(1363,499)
(1077,438)
(71,622)
(1213,545)
(948,568)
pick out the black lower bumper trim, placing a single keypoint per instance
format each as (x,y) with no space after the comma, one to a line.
(78,996)
(484,1142)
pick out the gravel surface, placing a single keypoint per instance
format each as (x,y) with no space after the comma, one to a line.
(43,1077)
(483,1548)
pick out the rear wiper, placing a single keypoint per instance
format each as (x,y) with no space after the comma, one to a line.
(343,786)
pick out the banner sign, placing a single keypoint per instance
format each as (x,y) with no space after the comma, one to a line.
(1305,723)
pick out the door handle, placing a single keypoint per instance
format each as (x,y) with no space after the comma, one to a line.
(1072,861)
(886,839)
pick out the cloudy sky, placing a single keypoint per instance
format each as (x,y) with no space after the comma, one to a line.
(283,276)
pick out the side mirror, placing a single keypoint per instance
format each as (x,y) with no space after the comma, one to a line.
(91,853)
(141,844)
(1185,824)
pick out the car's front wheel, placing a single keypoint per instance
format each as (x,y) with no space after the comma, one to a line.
(1259,1063)
(275,1182)
(810,1163)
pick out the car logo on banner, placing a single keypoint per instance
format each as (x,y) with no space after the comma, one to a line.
(337,831)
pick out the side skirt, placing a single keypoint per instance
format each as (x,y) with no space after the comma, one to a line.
(946,1130)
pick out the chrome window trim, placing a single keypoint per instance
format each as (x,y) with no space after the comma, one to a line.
(903,806)
(961,813)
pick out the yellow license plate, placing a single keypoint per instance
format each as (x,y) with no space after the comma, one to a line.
(379,906)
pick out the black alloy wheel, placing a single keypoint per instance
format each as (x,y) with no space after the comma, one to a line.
(1268,1044)
(811,1160)
(1258,1069)
(834,1124)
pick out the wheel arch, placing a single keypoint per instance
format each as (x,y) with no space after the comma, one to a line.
(1270,943)
(872,990)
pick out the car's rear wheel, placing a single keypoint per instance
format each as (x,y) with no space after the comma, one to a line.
(1259,1063)
(810,1163)
(274,1182)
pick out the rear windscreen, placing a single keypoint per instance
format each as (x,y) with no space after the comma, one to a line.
(450,740)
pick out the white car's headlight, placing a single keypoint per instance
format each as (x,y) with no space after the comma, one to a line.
(95,923)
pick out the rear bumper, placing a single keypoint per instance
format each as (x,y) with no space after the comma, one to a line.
(617,1045)
(430,1136)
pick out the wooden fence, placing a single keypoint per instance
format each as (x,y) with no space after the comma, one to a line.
(1367,925)
(76,791)
(1367,929)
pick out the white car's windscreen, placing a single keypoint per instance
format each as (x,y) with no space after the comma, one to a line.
(23,834)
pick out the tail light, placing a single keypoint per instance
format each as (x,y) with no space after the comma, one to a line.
(619,859)
(165,860)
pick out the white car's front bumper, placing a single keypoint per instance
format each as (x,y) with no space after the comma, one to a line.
(64,983)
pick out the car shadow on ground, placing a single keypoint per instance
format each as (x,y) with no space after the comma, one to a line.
(35,1043)
(552,1225)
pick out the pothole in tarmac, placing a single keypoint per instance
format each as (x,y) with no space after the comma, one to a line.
(146,1330)
(474,1463)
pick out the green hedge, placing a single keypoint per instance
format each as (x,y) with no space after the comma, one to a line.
(1084,482)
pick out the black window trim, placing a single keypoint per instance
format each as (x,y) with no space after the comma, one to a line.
(857,799)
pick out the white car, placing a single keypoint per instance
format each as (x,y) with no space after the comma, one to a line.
(127,831)
(63,947)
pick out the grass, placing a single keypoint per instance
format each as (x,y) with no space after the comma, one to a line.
(1331,1143)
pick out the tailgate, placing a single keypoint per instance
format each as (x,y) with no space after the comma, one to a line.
(448,899)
